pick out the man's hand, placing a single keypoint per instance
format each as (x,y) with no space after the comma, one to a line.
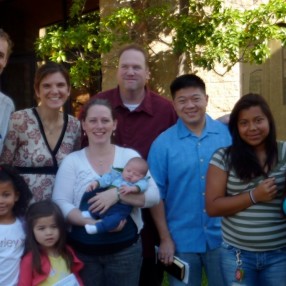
(166,251)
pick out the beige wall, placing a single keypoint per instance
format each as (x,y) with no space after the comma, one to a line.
(224,90)
(267,79)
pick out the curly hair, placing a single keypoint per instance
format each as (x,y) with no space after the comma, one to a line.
(10,174)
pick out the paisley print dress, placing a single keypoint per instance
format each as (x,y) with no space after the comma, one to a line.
(26,148)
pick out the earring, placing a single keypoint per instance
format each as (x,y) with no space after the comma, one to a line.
(84,134)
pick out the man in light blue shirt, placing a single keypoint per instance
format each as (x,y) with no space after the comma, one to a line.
(6,104)
(178,160)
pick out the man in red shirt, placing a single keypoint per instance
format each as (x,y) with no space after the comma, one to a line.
(142,115)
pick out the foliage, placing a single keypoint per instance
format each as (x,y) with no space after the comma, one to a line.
(207,31)
(77,44)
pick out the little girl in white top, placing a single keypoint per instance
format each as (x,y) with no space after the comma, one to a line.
(14,199)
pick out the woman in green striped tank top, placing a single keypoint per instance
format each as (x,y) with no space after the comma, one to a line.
(245,185)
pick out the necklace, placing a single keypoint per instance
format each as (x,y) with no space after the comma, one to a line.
(102,162)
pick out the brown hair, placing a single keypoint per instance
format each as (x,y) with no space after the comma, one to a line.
(96,101)
(50,68)
(135,47)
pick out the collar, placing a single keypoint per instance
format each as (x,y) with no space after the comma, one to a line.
(145,106)
(210,127)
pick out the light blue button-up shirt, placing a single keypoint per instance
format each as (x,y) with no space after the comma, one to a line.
(178,160)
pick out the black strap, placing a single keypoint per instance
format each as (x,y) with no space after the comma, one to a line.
(49,170)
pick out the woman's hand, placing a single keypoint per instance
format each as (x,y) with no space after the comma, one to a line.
(92,186)
(265,191)
(120,226)
(102,201)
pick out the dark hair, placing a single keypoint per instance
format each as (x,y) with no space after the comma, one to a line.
(10,174)
(242,156)
(185,81)
(6,37)
(39,210)
(50,68)
(136,47)
(96,101)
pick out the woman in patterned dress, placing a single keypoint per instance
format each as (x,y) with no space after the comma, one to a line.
(39,138)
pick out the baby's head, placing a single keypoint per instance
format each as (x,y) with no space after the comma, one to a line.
(135,170)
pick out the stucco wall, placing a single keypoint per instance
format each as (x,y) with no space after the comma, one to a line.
(267,79)
(223,91)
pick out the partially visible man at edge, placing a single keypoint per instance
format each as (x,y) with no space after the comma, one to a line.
(142,115)
(6,103)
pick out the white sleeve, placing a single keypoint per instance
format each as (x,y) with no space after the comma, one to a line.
(152,194)
(63,194)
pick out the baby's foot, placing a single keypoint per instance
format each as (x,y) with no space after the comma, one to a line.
(86,214)
(90,229)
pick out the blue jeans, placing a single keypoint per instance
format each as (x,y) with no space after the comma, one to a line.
(260,268)
(119,269)
(197,261)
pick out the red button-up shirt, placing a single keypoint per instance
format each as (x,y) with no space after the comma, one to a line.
(137,129)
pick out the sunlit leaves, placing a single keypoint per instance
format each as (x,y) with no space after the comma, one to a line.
(206,30)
